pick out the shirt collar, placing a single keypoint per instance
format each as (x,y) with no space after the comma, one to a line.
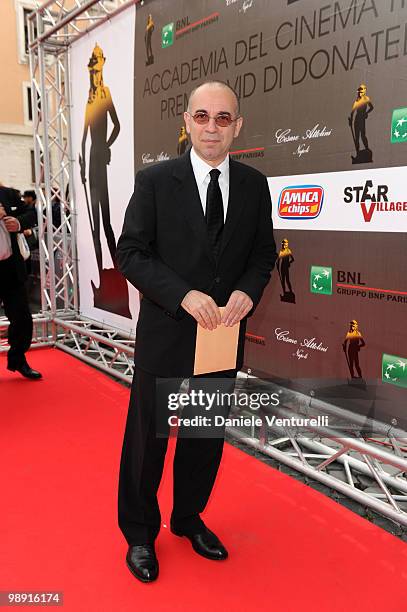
(201,168)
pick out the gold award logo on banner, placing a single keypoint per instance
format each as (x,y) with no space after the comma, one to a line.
(112,293)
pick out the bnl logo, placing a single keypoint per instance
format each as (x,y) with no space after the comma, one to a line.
(167,35)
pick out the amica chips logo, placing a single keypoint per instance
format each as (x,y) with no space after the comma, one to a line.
(300,202)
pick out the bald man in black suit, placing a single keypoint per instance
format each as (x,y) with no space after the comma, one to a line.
(197,236)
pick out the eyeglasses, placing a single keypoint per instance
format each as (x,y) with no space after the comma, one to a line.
(221,120)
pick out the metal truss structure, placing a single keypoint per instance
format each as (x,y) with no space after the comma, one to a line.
(42,332)
(369,469)
(97,344)
(358,456)
(53,26)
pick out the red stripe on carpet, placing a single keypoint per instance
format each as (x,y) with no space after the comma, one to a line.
(290,547)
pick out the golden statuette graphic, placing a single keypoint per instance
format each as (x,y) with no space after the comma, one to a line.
(351,346)
(99,108)
(148,40)
(361,109)
(284,261)
(183,141)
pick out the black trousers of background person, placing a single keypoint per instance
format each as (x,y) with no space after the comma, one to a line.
(195,467)
(14,296)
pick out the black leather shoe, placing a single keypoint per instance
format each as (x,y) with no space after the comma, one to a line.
(142,562)
(206,544)
(26,371)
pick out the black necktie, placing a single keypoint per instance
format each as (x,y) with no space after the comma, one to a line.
(214,211)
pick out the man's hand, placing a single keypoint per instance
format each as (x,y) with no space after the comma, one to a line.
(12,224)
(27,232)
(2,212)
(239,304)
(203,308)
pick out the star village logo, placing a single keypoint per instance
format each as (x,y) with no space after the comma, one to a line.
(373,199)
(399,125)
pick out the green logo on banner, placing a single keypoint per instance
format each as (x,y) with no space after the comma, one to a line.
(399,125)
(394,370)
(167,35)
(321,280)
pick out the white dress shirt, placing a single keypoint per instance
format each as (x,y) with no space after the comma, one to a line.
(201,171)
(5,242)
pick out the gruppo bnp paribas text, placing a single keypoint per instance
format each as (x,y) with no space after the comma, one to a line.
(246,63)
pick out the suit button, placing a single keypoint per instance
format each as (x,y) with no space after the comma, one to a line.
(217,280)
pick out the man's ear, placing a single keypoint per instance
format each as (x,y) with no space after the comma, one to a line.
(187,119)
(238,126)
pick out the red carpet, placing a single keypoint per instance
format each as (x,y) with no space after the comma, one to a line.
(290,547)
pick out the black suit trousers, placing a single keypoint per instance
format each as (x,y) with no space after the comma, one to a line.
(13,294)
(195,467)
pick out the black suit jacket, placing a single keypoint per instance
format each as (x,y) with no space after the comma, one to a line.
(27,217)
(164,251)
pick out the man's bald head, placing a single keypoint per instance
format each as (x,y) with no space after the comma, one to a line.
(212,141)
(215,85)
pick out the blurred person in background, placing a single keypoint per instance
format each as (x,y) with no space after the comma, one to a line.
(30,198)
(33,262)
(15,217)
(31,233)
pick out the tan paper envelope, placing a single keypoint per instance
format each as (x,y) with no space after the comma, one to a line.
(216,349)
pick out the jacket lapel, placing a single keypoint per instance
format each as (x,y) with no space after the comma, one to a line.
(187,196)
(235,203)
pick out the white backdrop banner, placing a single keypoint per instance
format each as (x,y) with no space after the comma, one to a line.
(102,69)
(372,200)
